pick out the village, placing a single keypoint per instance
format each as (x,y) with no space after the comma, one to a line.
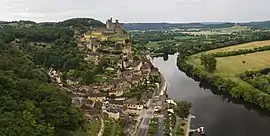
(128,85)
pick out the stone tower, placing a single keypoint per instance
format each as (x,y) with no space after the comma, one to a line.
(109,23)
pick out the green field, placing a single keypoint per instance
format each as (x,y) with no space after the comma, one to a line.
(156,44)
(218,31)
(186,37)
(250,45)
(117,38)
(233,65)
(230,67)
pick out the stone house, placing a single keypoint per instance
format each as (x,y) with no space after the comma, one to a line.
(70,82)
(97,97)
(146,65)
(127,75)
(117,92)
(137,73)
(136,79)
(54,75)
(116,103)
(154,72)
(84,88)
(113,112)
(133,104)
(124,85)
(77,101)
(107,87)
(146,72)
(138,67)
(89,103)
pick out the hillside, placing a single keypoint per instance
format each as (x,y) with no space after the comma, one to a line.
(151,26)
(154,26)
(79,22)
(32,104)
(262,24)
(74,22)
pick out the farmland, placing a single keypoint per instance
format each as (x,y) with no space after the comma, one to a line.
(250,45)
(241,76)
(239,64)
(216,31)
(231,66)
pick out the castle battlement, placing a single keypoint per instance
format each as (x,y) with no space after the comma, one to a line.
(114,26)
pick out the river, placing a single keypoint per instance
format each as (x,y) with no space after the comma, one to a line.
(220,115)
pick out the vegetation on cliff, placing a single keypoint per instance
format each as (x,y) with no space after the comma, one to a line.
(30,103)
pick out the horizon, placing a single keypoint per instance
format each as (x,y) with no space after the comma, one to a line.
(202,22)
(171,11)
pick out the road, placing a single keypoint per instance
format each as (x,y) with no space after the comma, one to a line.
(160,127)
(143,128)
(102,127)
(188,124)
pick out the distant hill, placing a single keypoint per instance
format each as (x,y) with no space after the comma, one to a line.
(262,24)
(75,22)
(79,22)
(150,26)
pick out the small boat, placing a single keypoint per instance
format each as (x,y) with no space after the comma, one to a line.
(200,130)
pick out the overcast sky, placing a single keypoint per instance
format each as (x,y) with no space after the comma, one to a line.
(137,10)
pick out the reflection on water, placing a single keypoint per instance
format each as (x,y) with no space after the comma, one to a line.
(165,57)
(218,113)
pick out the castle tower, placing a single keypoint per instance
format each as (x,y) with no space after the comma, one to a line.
(109,23)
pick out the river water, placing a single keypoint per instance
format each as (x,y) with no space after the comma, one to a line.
(220,115)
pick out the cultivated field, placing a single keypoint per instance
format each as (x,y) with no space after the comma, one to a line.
(239,64)
(156,44)
(217,31)
(233,65)
(250,45)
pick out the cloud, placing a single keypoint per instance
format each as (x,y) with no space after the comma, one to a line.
(137,10)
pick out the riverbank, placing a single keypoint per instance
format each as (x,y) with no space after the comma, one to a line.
(177,121)
(143,125)
(211,109)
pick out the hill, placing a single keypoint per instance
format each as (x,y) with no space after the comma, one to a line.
(75,22)
(151,26)
(31,104)
(79,22)
(262,24)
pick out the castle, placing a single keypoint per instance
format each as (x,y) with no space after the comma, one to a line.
(115,27)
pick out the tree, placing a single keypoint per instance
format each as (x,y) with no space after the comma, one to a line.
(209,62)
(182,109)
(118,46)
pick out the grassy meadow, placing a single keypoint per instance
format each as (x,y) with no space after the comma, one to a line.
(230,67)
(156,44)
(238,64)
(250,45)
(217,31)
(233,65)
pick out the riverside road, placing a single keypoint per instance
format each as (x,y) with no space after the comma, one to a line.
(144,126)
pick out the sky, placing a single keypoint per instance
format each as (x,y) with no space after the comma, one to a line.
(137,10)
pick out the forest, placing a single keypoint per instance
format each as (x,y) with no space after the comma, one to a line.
(30,104)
